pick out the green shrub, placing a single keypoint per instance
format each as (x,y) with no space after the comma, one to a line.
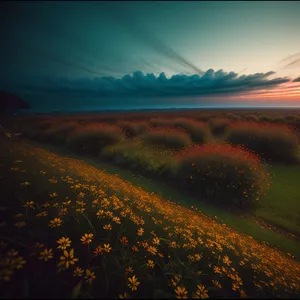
(274,142)
(169,138)
(265,118)
(91,139)
(277,119)
(139,157)
(199,131)
(233,117)
(203,118)
(252,117)
(290,117)
(132,129)
(218,126)
(161,122)
(222,173)
(57,134)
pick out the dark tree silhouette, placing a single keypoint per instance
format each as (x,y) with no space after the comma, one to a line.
(10,103)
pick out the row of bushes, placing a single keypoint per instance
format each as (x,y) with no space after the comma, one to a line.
(219,172)
(273,142)
(222,173)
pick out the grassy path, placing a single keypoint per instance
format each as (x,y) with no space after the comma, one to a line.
(281,205)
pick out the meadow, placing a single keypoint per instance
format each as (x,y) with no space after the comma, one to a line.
(151,205)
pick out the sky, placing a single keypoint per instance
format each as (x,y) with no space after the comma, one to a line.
(86,55)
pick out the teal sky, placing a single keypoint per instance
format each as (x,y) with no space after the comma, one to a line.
(56,42)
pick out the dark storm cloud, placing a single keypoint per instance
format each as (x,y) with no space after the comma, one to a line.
(148,85)
(297,79)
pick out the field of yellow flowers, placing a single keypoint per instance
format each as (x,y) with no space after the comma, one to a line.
(71,230)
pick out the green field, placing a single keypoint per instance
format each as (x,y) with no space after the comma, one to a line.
(281,204)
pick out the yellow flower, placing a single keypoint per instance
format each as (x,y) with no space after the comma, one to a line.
(26,183)
(81,209)
(117,220)
(89,276)
(133,283)
(242,294)
(235,287)
(52,195)
(17,216)
(20,224)
(17,263)
(201,292)
(216,283)
(15,168)
(197,256)
(135,248)
(12,253)
(123,240)
(87,238)
(173,244)
(29,204)
(124,296)
(17,161)
(46,254)
(95,202)
(173,282)
(107,248)
(81,203)
(152,250)
(140,232)
(156,241)
(226,260)
(66,202)
(129,270)
(68,259)
(52,180)
(217,270)
(99,250)
(6,274)
(191,258)
(242,263)
(56,222)
(238,280)
(64,243)
(150,263)
(78,272)
(36,247)
(107,227)
(63,212)
(181,292)
(42,214)
(100,213)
